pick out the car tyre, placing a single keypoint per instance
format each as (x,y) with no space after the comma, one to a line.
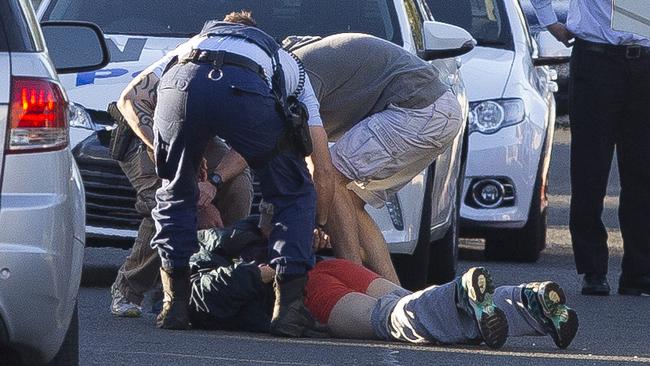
(527,243)
(443,253)
(68,354)
(413,269)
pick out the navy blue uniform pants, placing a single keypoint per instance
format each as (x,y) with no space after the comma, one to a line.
(609,98)
(195,103)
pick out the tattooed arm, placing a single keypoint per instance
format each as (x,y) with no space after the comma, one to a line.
(138,102)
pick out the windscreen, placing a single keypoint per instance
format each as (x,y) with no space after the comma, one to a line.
(485,20)
(280,18)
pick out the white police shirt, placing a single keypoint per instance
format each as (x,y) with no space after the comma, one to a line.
(590,20)
(252,51)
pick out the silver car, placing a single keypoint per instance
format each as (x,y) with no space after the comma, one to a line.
(42,208)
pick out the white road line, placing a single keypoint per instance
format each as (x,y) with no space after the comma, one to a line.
(212,358)
(560,355)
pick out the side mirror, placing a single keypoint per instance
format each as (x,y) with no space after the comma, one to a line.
(551,51)
(442,40)
(75,46)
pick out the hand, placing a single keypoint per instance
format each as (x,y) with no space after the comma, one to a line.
(209,217)
(321,240)
(267,273)
(202,175)
(561,33)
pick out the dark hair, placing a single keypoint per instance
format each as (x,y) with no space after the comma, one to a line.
(242,17)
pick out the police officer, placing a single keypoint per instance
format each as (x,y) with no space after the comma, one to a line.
(609,94)
(227,85)
(141,270)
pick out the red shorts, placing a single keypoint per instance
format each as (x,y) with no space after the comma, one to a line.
(332,279)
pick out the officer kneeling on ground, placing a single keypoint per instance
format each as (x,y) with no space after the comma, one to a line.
(232,80)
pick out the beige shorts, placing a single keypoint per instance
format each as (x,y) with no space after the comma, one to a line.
(385,151)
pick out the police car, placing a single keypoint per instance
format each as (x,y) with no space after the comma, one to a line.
(420,223)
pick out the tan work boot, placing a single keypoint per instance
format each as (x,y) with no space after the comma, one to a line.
(290,316)
(176,289)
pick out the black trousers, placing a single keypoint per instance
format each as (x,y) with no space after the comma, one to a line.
(609,96)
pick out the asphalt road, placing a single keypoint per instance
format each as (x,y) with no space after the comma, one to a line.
(613,330)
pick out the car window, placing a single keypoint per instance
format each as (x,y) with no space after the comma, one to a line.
(17,33)
(486,20)
(415,22)
(173,18)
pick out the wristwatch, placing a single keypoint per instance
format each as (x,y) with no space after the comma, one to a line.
(216,180)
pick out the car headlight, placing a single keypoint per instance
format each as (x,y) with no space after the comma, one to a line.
(490,116)
(80,118)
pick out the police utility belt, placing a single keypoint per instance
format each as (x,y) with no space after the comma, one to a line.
(296,137)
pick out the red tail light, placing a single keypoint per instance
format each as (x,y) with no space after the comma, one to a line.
(38,116)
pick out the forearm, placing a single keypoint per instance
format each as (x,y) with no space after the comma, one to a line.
(323,174)
(544,11)
(231,166)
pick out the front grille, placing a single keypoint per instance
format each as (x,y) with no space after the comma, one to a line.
(110,199)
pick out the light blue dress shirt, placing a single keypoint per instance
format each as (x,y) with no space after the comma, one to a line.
(590,20)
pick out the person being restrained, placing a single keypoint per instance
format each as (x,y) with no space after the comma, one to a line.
(231,290)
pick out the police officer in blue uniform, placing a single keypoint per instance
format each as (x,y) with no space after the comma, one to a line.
(228,81)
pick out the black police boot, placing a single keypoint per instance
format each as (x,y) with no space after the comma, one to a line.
(636,286)
(290,316)
(595,284)
(176,289)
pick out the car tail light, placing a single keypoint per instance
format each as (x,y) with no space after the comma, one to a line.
(38,119)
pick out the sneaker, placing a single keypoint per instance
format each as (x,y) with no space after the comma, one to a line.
(475,290)
(546,302)
(122,307)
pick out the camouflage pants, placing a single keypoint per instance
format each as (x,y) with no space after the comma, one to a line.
(140,271)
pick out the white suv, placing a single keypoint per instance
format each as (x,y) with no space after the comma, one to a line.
(424,212)
(41,194)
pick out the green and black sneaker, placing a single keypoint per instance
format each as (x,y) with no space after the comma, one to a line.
(475,290)
(546,302)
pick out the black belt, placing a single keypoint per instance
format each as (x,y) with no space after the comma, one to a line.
(219,58)
(625,51)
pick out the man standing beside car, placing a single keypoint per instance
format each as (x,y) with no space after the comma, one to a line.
(390,116)
(609,95)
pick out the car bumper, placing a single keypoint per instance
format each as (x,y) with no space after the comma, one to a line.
(513,154)
(35,301)
(41,251)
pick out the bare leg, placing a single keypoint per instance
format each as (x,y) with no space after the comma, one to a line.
(381,287)
(351,317)
(342,224)
(373,243)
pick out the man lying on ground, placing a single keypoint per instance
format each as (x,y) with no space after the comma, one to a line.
(231,290)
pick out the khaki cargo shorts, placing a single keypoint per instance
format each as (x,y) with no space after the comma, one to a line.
(388,149)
